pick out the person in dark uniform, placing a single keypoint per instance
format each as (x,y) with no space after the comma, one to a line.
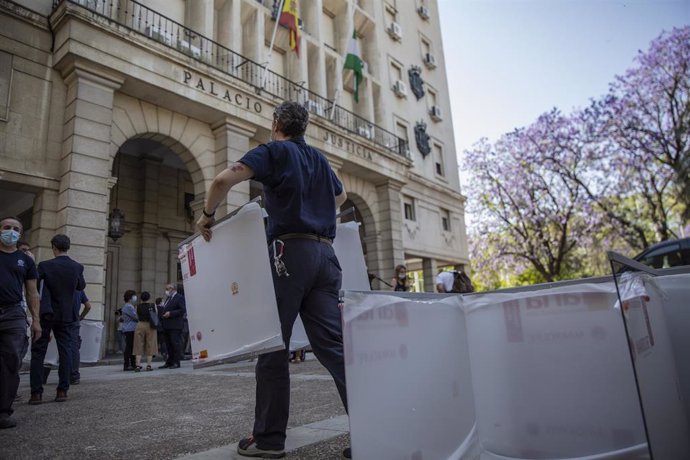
(60,278)
(172,320)
(17,275)
(302,194)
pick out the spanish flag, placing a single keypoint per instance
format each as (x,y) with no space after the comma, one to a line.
(289,17)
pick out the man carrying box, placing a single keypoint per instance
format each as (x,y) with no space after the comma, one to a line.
(302,195)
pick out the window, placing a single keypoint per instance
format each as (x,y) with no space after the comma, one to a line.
(408,208)
(426,47)
(401,132)
(396,72)
(328,29)
(431,94)
(445,220)
(438,160)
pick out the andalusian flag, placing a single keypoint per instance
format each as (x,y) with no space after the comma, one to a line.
(353,61)
(289,18)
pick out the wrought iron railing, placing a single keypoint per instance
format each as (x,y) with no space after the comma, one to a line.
(155,26)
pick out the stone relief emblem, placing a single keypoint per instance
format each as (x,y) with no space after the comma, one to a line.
(416,82)
(422,138)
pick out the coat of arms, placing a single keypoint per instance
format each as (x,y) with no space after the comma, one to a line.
(416,82)
(422,138)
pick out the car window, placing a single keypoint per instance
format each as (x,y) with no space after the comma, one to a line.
(665,257)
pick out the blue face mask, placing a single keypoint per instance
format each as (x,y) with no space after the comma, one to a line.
(9,237)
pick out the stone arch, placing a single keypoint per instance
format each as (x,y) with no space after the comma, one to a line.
(190,139)
(363,195)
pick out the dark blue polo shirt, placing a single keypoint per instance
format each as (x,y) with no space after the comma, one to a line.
(299,185)
(15,268)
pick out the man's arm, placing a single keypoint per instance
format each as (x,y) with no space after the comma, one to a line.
(340,199)
(221,185)
(81,284)
(34,301)
(87,309)
(180,308)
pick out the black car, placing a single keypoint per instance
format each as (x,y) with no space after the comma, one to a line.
(666,254)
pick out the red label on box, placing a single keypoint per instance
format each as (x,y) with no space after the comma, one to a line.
(192,261)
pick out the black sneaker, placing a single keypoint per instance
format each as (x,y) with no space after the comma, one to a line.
(347,453)
(247,448)
(7,422)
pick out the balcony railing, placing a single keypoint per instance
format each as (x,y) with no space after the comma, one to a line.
(157,27)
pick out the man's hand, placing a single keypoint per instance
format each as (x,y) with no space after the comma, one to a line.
(204,225)
(166,314)
(35,330)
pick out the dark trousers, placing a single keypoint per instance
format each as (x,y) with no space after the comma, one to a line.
(312,291)
(130,360)
(76,356)
(173,344)
(12,337)
(64,334)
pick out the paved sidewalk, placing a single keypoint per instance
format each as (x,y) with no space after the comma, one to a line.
(165,414)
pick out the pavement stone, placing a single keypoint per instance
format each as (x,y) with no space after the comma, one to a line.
(168,414)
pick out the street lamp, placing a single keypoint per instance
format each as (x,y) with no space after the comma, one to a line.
(116,224)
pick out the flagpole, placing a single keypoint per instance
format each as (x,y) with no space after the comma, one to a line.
(273,39)
(336,96)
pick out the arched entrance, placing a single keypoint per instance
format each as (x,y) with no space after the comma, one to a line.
(367,229)
(155,193)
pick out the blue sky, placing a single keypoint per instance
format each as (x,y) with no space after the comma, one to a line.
(510,60)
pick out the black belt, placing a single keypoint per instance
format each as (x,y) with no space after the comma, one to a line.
(306,236)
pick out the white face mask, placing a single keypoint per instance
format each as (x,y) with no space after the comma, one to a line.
(168,292)
(134,299)
(402,276)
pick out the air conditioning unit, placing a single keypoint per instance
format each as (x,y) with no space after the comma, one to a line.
(436,113)
(423,12)
(395,31)
(189,49)
(400,88)
(430,61)
(316,107)
(159,35)
(365,131)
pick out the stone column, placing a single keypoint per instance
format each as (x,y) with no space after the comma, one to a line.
(389,225)
(232,142)
(82,201)
(430,268)
(44,222)
(199,16)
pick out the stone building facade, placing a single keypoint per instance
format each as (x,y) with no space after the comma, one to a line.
(109,104)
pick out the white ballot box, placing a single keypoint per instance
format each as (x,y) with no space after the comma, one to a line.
(655,365)
(408,377)
(231,304)
(552,374)
(91,333)
(348,248)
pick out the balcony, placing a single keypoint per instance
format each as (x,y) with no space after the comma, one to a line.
(161,29)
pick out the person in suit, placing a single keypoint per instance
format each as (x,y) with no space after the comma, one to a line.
(60,278)
(172,320)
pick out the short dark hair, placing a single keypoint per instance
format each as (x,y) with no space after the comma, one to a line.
(60,242)
(22,243)
(129,294)
(292,118)
(12,218)
(145,296)
(159,300)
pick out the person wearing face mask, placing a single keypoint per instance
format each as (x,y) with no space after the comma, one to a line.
(172,320)
(129,325)
(60,279)
(17,274)
(400,282)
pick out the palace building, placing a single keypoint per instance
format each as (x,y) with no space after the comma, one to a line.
(115,116)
